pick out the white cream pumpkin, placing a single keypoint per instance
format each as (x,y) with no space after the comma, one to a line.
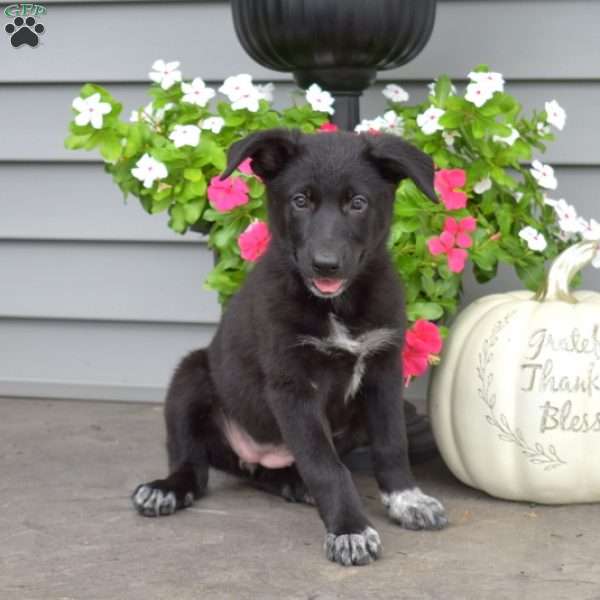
(515,401)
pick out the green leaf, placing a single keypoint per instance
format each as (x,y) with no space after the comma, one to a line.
(193,174)
(177,221)
(505,218)
(484,258)
(532,273)
(424,310)
(111,147)
(452,120)
(77,142)
(193,210)
(407,225)
(442,89)
(256,188)
(160,205)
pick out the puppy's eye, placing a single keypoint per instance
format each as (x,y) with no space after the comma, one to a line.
(300,201)
(358,203)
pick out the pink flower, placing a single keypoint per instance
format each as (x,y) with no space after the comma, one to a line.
(424,336)
(254,240)
(245,168)
(446,183)
(413,364)
(225,195)
(422,345)
(328,128)
(445,244)
(460,230)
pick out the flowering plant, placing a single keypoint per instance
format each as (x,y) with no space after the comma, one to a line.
(171,152)
(493,204)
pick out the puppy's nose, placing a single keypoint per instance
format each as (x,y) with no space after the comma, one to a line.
(325,263)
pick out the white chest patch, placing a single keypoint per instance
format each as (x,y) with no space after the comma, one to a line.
(361,346)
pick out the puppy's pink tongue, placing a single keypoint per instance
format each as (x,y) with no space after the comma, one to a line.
(328,286)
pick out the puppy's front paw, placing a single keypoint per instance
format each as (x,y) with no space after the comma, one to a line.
(415,510)
(353,548)
(155,500)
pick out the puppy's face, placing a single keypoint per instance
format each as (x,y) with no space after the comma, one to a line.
(331,197)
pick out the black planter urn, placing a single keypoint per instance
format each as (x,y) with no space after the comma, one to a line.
(338,44)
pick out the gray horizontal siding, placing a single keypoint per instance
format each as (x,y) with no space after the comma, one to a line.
(117,42)
(99,300)
(32,136)
(89,359)
(74,201)
(115,281)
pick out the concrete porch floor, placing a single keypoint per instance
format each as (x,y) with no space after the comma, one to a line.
(67,530)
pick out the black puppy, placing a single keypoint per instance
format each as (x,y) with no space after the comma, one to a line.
(307,356)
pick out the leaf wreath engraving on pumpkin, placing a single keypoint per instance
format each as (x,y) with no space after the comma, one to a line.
(536,454)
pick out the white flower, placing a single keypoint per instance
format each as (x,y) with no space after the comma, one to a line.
(555,114)
(449,137)
(568,221)
(319,100)
(544,175)
(235,86)
(185,135)
(367,125)
(91,110)
(395,93)
(492,81)
(535,240)
(197,92)
(250,100)
(518,196)
(214,124)
(266,91)
(148,170)
(478,94)
(483,186)
(390,122)
(509,139)
(241,92)
(164,73)
(542,128)
(550,201)
(393,123)
(429,121)
(590,230)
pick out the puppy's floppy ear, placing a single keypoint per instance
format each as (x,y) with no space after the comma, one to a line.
(397,160)
(269,150)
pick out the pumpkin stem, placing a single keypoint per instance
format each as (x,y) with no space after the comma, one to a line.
(564,268)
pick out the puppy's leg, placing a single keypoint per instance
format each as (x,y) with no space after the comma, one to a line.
(406,504)
(350,538)
(286,483)
(191,431)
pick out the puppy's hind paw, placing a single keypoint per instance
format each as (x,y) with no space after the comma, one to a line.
(413,509)
(152,500)
(353,548)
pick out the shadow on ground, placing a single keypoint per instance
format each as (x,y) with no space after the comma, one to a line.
(67,530)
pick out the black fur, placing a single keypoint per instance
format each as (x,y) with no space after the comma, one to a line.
(330,209)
